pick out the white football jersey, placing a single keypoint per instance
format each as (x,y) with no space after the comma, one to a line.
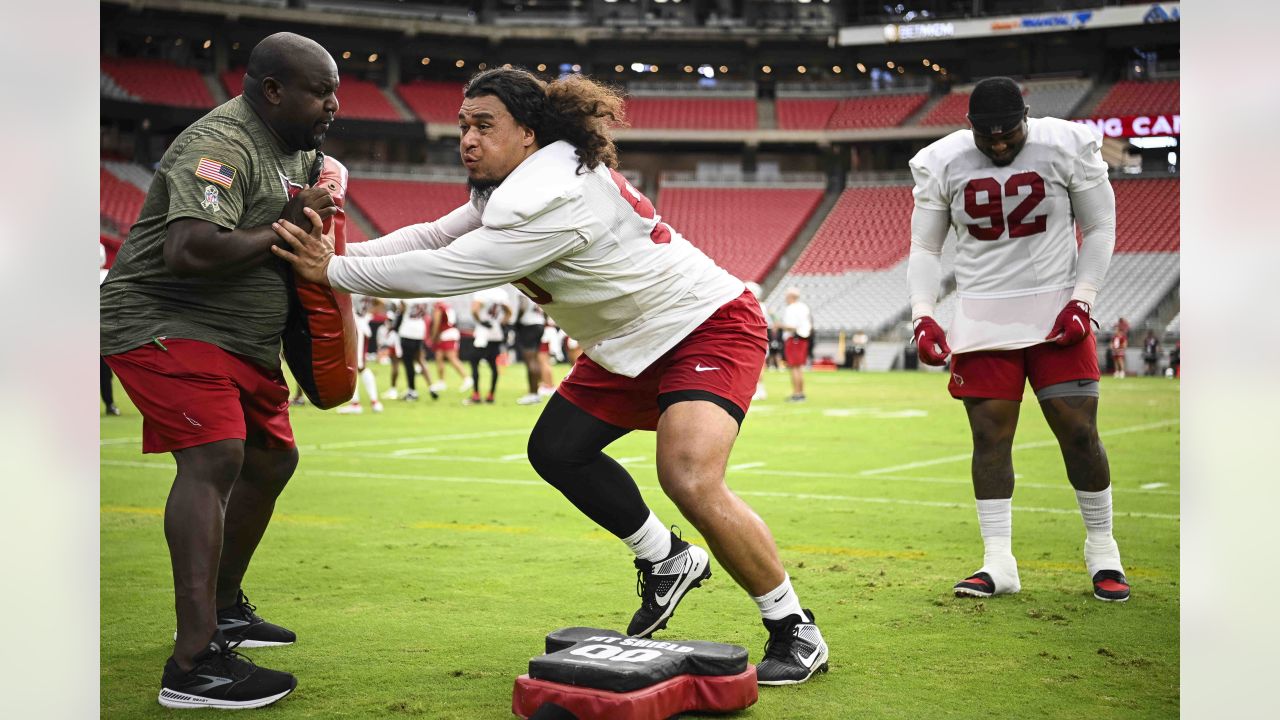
(1016,245)
(494,305)
(797,315)
(417,312)
(586,246)
(362,313)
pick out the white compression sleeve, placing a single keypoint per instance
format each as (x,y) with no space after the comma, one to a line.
(924,265)
(1095,210)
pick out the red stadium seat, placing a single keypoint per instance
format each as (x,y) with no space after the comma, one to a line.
(868,229)
(1130,97)
(950,110)
(393,204)
(159,81)
(432,102)
(358,99)
(805,114)
(692,113)
(1147,214)
(745,230)
(875,111)
(120,201)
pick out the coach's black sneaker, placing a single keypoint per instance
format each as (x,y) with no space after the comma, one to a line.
(1110,586)
(794,652)
(243,627)
(222,678)
(661,585)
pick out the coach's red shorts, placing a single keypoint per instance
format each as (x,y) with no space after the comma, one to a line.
(1003,374)
(195,393)
(722,356)
(796,351)
(446,345)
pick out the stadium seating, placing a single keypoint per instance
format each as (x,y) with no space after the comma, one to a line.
(121,201)
(950,110)
(805,113)
(432,102)
(137,175)
(868,229)
(873,111)
(393,204)
(691,113)
(745,230)
(1147,214)
(1130,97)
(1056,98)
(158,81)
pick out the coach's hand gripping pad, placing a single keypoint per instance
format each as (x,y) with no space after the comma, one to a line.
(320,334)
(602,674)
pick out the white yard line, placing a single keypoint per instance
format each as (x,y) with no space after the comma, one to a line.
(968,507)
(435,439)
(1021,446)
(746,466)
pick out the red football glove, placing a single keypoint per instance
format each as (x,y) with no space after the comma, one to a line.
(931,342)
(1072,324)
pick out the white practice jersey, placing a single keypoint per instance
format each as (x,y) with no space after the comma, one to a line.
(529,312)
(1016,245)
(362,312)
(798,316)
(417,313)
(586,246)
(495,306)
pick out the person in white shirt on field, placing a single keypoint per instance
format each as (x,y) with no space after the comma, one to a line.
(491,309)
(1014,190)
(796,326)
(362,310)
(671,341)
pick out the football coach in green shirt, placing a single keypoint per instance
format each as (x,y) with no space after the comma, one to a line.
(191,318)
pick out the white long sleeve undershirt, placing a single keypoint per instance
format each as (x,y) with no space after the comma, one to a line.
(924,264)
(1095,210)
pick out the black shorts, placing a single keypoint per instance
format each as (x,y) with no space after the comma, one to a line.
(529,337)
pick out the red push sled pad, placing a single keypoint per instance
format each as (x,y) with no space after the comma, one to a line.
(320,334)
(605,675)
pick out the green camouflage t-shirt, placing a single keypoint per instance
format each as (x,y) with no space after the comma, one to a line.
(228,169)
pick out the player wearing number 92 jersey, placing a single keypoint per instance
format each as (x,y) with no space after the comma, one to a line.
(1016,260)
(671,341)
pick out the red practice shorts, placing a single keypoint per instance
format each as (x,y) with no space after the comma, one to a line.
(446,345)
(1003,374)
(196,393)
(722,356)
(796,351)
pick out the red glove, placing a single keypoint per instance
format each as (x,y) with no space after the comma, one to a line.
(1072,324)
(931,342)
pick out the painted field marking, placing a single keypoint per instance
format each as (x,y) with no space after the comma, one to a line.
(875,413)
(630,460)
(405,452)
(1021,446)
(512,456)
(746,466)
(119,441)
(967,506)
(410,440)
(1153,486)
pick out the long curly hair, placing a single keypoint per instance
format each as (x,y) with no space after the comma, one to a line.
(575,109)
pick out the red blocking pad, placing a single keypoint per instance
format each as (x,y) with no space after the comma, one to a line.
(605,675)
(683,693)
(320,335)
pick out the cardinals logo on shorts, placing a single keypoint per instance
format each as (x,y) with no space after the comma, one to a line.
(957,379)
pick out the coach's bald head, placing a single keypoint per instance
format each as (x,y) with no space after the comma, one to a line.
(292,82)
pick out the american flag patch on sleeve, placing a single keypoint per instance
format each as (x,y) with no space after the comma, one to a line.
(216,172)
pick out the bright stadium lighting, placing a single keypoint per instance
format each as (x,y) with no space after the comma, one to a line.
(925,62)
(862,68)
(688,68)
(653,68)
(542,67)
(837,69)
(638,67)
(459,63)
(935,67)
(618,68)
(576,67)
(901,70)
(207,44)
(373,57)
(706,71)
(1162,141)
(346,55)
(506,66)
(766,69)
(482,66)
(724,69)
(890,64)
(1173,158)
(801,69)
(426,61)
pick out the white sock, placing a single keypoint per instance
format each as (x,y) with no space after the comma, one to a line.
(652,541)
(780,602)
(995,520)
(370,385)
(1100,549)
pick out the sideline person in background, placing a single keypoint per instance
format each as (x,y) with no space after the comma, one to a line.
(796,326)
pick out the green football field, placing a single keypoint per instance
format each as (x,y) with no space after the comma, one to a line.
(421,560)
